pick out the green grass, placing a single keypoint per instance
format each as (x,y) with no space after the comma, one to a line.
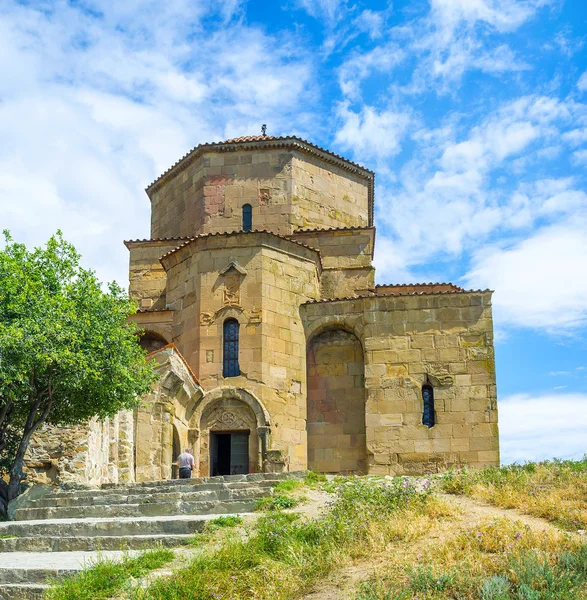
(8,536)
(554,490)
(289,485)
(106,577)
(224,521)
(313,478)
(284,554)
(276,502)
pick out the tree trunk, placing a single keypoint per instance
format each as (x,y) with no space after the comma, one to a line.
(16,474)
(31,425)
(3,500)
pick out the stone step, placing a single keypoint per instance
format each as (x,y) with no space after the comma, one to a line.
(178,507)
(167,489)
(93,543)
(251,477)
(99,499)
(19,576)
(105,527)
(22,591)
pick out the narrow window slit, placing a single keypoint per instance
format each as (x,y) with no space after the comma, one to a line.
(428,412)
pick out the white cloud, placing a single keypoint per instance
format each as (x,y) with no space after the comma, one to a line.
(371,22)
(458,36)
(99,98)
(545,426)
(447,199)
(330,11)
(503,15)
(582,83)
(538,282)
(371,133)
(361,65)
(575,137)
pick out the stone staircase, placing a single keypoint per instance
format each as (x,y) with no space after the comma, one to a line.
(58,530)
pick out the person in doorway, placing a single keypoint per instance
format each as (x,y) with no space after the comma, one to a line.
(185,462)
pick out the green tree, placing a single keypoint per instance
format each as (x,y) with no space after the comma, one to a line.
(67,349)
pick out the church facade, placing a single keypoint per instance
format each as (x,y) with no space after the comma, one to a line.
(276,349)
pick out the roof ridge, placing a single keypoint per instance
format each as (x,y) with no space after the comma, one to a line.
(236,232)
(326,229)
(397,285)
(446,293)
(253,139)
(163,239)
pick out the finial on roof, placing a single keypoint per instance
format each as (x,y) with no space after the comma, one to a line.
(263,130)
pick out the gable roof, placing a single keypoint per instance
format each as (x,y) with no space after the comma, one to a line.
(259,142)
(188,240)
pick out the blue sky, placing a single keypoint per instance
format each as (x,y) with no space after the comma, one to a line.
(473,113)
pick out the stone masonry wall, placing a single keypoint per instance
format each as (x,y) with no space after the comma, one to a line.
(336,403)
(346,260)
(443,339)
(286,189)
(96,452)
(264,298)
(326,196)
(148,279)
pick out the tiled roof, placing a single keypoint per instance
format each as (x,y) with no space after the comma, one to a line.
(400,289)
(269,141)
(240,232)
(165,239)
(251,138)
(423,293)
(327,229)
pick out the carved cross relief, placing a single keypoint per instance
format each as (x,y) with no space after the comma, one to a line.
(233,275)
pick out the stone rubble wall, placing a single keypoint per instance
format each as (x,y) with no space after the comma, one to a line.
(93,453)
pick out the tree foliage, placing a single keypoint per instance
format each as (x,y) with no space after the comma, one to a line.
(67,349)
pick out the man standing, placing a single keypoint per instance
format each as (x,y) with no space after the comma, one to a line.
(185,462)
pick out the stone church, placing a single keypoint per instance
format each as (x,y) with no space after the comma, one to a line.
(276,349)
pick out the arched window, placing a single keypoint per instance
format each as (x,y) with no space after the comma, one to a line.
(247,217)
(230,367)
(428,412)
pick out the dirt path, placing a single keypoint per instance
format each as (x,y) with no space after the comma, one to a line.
(345,583)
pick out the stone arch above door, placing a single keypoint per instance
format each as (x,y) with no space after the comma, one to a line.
(229,411)
(261,414)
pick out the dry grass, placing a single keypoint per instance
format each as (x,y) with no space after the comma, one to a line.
(553,490)
(499,559)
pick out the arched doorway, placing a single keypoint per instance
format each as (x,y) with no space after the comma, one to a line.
(231,428)
(336,403)
(229,440)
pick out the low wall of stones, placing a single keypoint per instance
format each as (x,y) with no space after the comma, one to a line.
(91,453)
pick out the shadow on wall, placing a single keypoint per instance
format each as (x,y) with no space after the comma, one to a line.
(336,403)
